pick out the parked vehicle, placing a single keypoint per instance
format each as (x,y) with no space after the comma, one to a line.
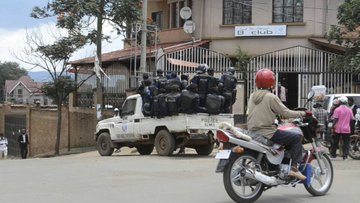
(354,150)
(251,165)
(329,98)
(133,129)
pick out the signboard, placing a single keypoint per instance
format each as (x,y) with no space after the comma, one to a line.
(260,30)
(185,13)
(189,27)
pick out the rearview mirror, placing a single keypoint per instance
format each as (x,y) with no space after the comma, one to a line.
(310,95)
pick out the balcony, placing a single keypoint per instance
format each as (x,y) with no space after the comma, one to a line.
(173,35)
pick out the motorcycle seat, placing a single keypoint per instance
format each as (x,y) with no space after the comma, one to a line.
(257,137)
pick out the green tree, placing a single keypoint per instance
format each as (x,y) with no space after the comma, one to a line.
(77,16)
(9,71)
(243,59)
(347,33)
(53,57)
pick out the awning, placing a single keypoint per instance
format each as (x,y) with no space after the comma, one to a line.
(182,63)
(329,46)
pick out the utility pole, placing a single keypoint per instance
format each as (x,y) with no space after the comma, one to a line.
(143,38)
(99,92)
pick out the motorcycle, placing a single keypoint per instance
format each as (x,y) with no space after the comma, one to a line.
(354,150)
(252,164)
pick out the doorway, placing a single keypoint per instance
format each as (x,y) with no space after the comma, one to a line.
(290,82)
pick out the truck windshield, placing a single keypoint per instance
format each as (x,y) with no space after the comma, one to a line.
(128,107)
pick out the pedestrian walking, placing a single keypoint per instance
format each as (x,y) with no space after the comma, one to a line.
(23,141)
(341,127)
(3,146)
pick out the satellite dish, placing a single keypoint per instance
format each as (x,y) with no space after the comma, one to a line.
(185,13)
(189,27)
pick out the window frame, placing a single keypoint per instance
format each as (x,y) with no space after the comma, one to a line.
(128,109)
(241,17)
(284,8)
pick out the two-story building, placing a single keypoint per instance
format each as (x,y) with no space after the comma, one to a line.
(25,91)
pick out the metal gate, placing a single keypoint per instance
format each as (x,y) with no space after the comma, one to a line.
(308,66)
(186,60)
(13,126)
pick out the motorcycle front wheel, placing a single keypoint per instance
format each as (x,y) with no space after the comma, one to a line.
(354,150)
(241,189)
(320,183)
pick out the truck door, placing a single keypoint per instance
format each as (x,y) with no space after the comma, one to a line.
(125,128)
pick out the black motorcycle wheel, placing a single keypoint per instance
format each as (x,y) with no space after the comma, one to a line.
(241,189)
(320,184)
(354,150)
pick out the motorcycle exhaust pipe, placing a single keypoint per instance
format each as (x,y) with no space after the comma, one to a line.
(258,176)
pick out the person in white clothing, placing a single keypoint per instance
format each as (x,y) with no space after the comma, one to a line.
(3,146)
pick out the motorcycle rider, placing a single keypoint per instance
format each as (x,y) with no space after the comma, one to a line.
(263,107)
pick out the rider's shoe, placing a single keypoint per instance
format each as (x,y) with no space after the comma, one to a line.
(297,174)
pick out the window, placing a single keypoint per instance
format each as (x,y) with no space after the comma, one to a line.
(175,20)
(288,11)
(237,12)
(19,92)
(128,107)
(158,19)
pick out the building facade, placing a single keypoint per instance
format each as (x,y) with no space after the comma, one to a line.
(25,91)
(218,21)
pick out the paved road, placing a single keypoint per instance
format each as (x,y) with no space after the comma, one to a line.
(129,177)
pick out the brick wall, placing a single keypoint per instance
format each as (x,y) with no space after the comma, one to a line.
(77,129)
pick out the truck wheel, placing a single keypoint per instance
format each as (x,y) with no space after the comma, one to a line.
(145,149)
(164,143)
(204,150)
(103,144)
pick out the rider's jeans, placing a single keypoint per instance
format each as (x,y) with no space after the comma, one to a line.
(291,139)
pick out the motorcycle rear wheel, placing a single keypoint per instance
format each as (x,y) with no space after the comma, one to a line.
(241,189)
(354,149)
(320,184)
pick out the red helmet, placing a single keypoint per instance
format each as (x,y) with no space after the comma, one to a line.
(265,79)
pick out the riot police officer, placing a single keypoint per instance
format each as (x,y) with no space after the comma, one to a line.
(190,100)
(173,83)
(160,81)
(228,83)
(201,79)
(142,85)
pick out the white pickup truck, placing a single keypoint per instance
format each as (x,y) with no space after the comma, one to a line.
(133,129)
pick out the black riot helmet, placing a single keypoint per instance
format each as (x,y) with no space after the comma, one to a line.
(145,76)
(210,71)
(201,68)
(159,71)
(231,70)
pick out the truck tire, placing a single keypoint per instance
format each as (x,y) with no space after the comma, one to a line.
(103,144)
(164,143)
(204,150)
(145,149)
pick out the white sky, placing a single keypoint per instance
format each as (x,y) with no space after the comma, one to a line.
(13,41)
